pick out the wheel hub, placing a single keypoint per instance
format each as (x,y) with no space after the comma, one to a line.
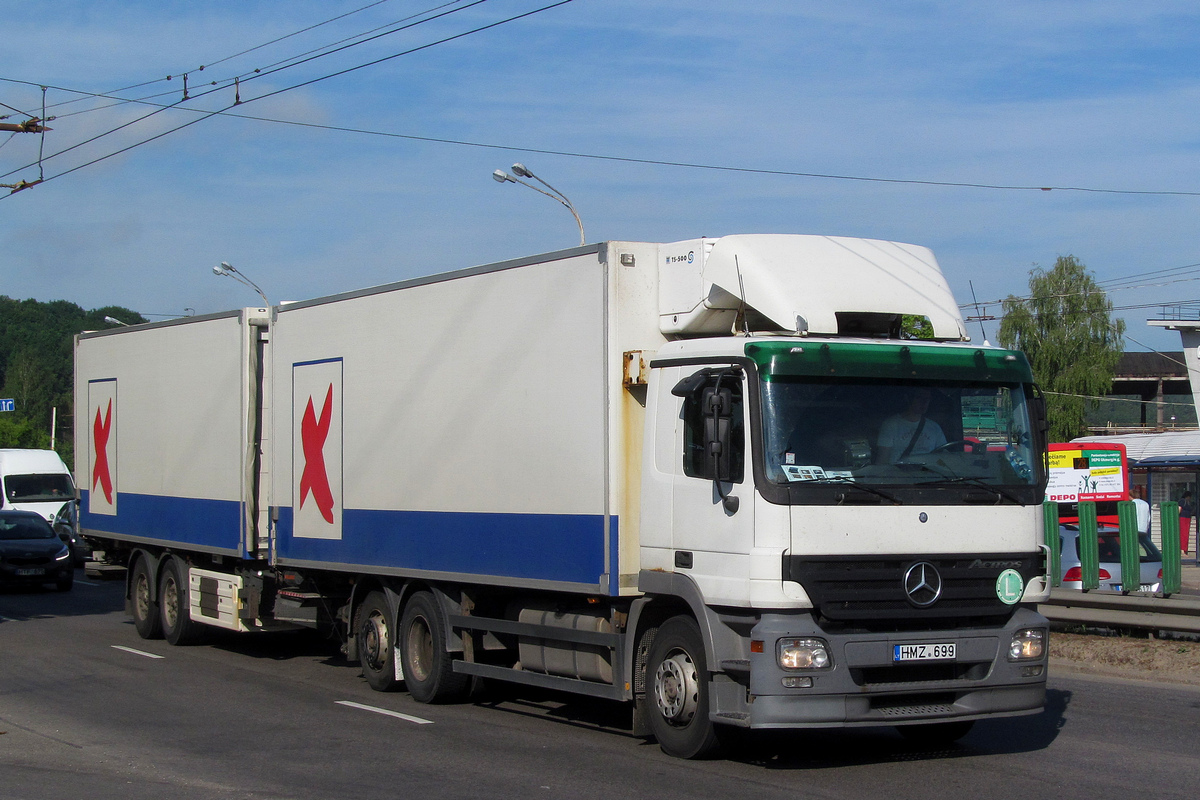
(420,649)
(170,601)
(375,640)
(142,597)
(677,689)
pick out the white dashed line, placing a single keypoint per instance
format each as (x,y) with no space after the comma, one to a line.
(85,583)
(385,711)
(136,652)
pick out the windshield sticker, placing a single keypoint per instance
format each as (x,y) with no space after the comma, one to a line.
(795,473)
(789,458)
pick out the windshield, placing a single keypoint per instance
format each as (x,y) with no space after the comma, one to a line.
(895,432)
(25,528)
(37,488)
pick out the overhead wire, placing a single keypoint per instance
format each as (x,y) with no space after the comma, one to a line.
(210,114)
(205,92)
(288,63)
(240,53)
(257,73)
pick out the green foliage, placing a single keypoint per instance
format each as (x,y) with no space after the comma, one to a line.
(1067,331)
(37,364)
(914,326)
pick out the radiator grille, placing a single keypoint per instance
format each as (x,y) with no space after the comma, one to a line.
(870,591)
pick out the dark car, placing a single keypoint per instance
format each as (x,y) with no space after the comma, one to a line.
(32,553)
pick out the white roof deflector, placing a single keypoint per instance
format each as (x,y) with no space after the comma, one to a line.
(801,283)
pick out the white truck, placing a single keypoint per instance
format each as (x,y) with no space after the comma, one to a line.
(712,479)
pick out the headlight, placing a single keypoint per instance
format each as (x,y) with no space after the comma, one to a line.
(804,654)
(1027,644)
(64,555)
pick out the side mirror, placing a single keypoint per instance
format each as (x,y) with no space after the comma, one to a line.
(717,407)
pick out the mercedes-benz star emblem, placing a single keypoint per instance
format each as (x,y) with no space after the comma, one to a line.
(923,584)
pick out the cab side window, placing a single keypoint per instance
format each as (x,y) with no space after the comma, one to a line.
(697,414)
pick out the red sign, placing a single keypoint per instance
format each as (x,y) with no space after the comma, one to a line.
(315,479)
(100,473)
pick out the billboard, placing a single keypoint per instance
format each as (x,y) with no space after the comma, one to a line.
(1087,471)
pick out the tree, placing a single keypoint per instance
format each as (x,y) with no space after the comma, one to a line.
(1066,329)
(36,364)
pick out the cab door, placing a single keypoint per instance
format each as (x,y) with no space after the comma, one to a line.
(712,538)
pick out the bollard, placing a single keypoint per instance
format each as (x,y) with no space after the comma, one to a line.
(1131,549)
(1089,546)
(1053,540)
(1172,572)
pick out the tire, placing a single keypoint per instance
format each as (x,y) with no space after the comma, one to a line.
(177,625)
(146,617)
(65,583)
(373,631)
(936,734)
(429,672)
(677,691)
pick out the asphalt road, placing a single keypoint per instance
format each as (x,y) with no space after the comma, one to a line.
(88,709)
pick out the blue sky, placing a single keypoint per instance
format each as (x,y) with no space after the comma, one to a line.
(1087,94)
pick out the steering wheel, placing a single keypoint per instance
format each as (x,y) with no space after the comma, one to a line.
(967,446)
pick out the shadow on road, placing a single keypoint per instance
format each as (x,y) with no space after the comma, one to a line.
(87,597)
(834,748)
(812,749)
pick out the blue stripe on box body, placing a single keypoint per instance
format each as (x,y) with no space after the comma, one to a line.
(565,548)
(558,548)
(203,523)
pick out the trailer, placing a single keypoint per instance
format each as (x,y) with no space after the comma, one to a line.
(714,479)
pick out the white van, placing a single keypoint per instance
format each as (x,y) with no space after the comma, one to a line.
(39,481)
(35,480)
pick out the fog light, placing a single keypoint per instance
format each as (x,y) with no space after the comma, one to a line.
(804,654)
(1031,671)
(1027,644)
(797,682)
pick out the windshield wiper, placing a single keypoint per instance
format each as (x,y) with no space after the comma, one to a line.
(842,498)
(974,480)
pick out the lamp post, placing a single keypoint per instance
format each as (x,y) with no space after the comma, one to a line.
(225,269)
(521,171)
(115,321)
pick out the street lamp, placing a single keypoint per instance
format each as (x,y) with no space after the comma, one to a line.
(227,270)
(115,321)
(500,176)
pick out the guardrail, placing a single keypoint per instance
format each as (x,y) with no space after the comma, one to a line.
(1109,609)
(1167,610)
(1089,551)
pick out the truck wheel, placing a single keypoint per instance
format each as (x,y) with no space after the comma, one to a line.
(145,609)
(177,625)
(373,630)
(429,672)
(677,691)
(937,734)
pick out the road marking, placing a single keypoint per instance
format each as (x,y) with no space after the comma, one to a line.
(85,583)
(396,714)
(136,652)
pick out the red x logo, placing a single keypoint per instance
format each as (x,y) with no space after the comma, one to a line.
(312,436)
(100,431)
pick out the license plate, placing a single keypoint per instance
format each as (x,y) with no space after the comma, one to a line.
(939,651)
(30,571)
(1145,587)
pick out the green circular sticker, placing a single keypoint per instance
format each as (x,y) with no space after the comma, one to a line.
(1010,586)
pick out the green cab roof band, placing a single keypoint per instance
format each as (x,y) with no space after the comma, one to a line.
(892,360)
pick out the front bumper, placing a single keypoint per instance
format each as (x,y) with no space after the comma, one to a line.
(866,687)
(9,574)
